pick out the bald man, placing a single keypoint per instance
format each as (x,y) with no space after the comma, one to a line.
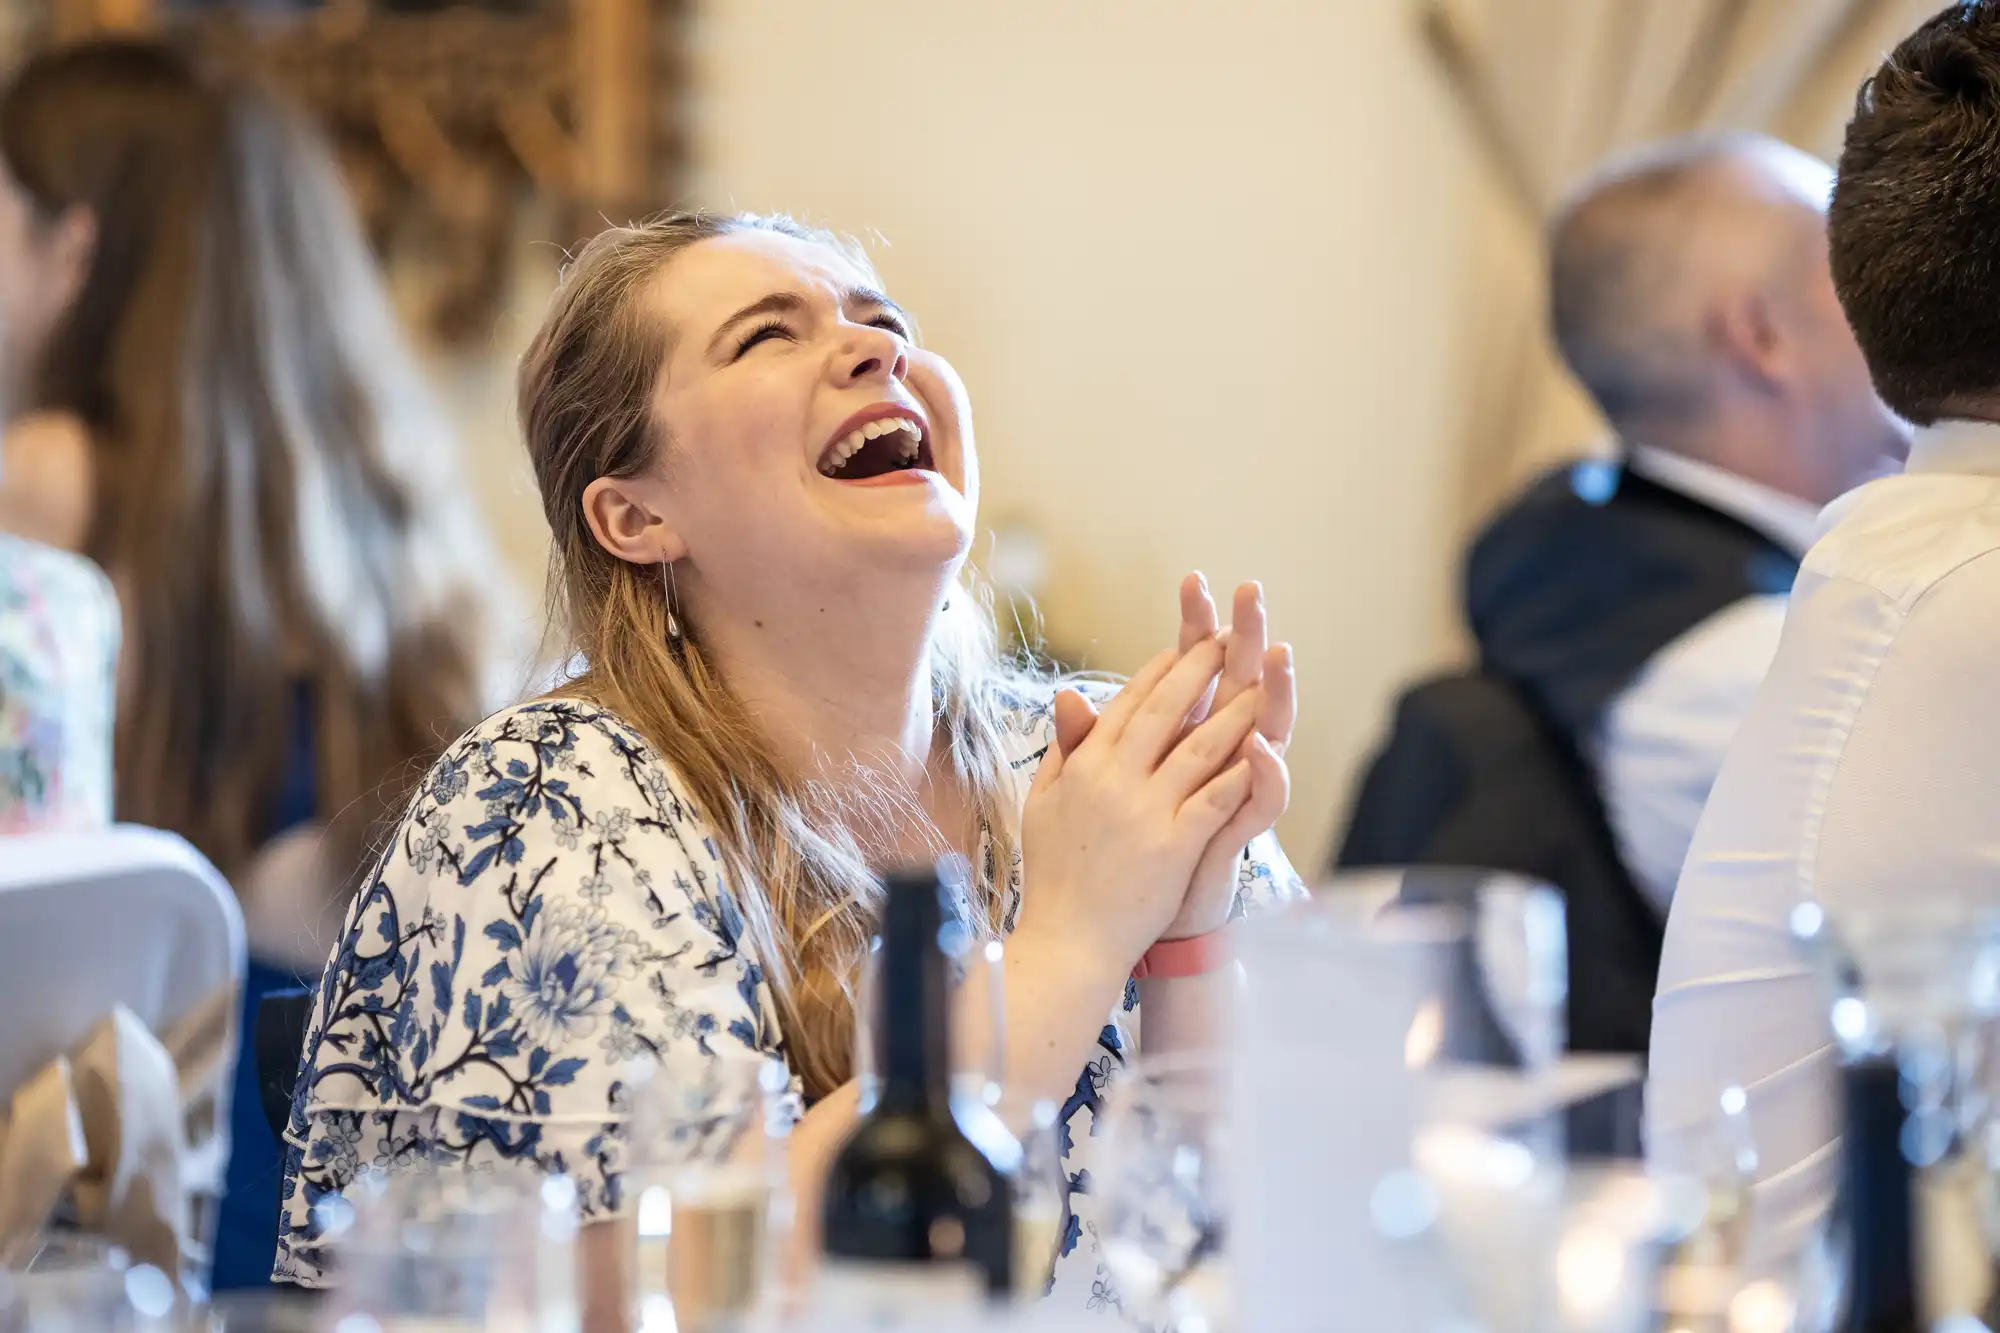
(1691,294)
(1637,604)
(1625,611)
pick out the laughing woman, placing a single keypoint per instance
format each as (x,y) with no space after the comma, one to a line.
(762,492)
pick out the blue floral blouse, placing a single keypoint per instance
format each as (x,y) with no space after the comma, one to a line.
(551,908)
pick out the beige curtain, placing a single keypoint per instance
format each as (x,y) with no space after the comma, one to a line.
(1551,86)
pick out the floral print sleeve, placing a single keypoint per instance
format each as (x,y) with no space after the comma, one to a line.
(59,630)
(551,909)
(1266,878)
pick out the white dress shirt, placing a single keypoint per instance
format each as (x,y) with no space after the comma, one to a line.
(1867,771)
(1664,737)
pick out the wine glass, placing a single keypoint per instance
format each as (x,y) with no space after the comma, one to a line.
(1497,947)
(1162,1180)
(707,1147)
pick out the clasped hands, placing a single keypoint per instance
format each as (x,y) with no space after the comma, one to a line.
(1139,814)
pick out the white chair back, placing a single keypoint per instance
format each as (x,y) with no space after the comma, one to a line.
(124,915)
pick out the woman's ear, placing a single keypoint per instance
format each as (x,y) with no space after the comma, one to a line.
(626,526)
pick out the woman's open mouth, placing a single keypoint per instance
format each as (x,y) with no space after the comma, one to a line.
(878,448)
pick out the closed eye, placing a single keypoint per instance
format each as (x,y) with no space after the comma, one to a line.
(762,333)
(894,323)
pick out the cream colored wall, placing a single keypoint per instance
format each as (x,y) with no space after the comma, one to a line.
(1200,262)
(477,386)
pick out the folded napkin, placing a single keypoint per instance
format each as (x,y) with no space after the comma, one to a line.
(131,1131)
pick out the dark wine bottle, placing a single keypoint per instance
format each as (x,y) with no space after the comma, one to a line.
(1878,1198)
(918,1213)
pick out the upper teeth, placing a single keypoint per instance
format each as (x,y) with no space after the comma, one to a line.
(837,456)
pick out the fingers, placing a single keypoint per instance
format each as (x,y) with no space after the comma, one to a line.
(1244,661)
(1248,632)
(1270,794)
(1202,815)
(1197,623)
(1051,766)
(1074,717)
(1280,708)
(1272,782)
(1111,722)
(1153,698)
(1156,722)
(1197,611)
(1209,747)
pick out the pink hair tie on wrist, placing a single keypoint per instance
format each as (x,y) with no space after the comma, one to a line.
(1191,957)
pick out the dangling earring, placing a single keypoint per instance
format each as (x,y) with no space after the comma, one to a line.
(671,588)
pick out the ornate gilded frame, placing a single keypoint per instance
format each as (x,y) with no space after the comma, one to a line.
(449,119)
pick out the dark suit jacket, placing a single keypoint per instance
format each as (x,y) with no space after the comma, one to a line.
(1570,592)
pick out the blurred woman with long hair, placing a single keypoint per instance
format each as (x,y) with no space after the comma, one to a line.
(206,392)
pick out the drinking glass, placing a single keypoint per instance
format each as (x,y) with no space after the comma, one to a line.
(445,1246)
(1399,1152)
(1919,988)
(273,1309)
(707,1147)
(78,1283)
(1161,1177)
(1039,1194)
(1500,954)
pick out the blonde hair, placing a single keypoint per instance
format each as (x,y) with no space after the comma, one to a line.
(797,872)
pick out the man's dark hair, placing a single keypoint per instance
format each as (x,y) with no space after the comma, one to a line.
(1915,222)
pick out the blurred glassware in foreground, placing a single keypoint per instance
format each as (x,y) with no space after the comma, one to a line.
(1040,1192)
(1538,1247)
(1408,1163)
(77,1283)
(447,1248)
(275,1309)
(1704,1274)
(1163,1179)
(1912,996)
(1506,977)
(707,1179)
